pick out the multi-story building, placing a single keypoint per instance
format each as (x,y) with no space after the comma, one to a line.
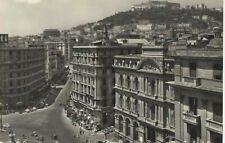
(144,108)
(22,71)
(198,93)
(59,62)
(50,60)
(69,42)
(93,80)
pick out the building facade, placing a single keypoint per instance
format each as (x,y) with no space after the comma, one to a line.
(22,72)
(50,60)
(144,108)
(93,80)
(198,95)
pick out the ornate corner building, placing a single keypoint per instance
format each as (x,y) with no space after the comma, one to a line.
(93,80)
(144,108)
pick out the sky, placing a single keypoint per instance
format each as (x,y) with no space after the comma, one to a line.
(24,17)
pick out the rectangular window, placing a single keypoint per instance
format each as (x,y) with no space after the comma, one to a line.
(217,112)
(18,82)
(172,118)
(193,105)
(218,71)
(10,53)
(104,81)
(10,83)
(192,69)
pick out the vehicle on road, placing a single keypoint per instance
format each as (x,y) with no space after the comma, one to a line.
(55,137)
(34,134)
(34,108)
(6,126)
(27,110)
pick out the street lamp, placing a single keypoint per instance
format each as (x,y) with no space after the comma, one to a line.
(1,106)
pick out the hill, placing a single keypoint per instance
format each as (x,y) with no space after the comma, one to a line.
(163,15)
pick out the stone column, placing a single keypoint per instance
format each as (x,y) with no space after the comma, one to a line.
(132,104)
(156,88)
(208,137)
(141,134)
(146,107)
(131,130)
(186,134)
(124,101)
(141,108)
(116,99)
(116,122)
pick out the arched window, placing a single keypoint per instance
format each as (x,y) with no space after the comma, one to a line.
(136,110)
(121,101)
(120,124)
(128,103)
(128,81)
(135,131)
(136,83)
(127,127)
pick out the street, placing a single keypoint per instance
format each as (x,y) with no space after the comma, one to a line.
(46,122)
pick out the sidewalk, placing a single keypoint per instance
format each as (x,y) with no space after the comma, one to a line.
(4,137)
(89,136)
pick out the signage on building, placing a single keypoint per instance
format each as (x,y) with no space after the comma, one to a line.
(3,38)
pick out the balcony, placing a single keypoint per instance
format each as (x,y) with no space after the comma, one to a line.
(191,118)
(214,126)
(191,81)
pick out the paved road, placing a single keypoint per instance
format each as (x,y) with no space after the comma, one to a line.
(46,121)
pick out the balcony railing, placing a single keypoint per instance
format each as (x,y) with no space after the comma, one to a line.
(192,81)
(191,118)
(214,126)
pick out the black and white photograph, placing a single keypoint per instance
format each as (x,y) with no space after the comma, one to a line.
(111,71)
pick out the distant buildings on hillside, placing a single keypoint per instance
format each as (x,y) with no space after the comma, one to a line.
(155,4)
(51,32)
